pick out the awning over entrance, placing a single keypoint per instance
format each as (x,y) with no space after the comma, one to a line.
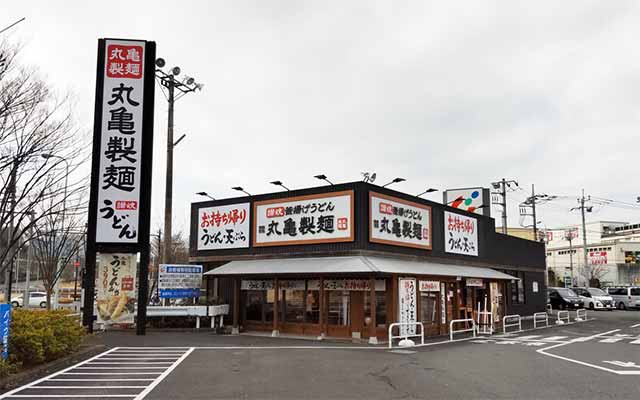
(353,264)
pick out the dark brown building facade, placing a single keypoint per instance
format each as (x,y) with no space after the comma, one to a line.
(347,260)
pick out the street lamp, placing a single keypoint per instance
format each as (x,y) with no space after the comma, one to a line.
(323,177)
(279,183)
(240,189)
(395,180)
(430,190)
(170,83)
(205,195)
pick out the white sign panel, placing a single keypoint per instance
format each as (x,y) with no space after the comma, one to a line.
(443,305)
(321,218)
(474,282)
(460,234)
(429,286)
(121,142)
(179,281)
(534,287)
(399,222)
(116,288)
(353,284)
(469,199)
(223,227)
(407,304)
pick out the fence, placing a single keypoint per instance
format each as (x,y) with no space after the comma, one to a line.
(455,321)
(581,315)
(406,335)
(511,317)
(562,316)
(539,317)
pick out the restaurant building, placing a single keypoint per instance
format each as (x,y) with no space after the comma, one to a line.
(347,260)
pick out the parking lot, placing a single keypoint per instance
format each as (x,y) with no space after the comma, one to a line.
(589,360)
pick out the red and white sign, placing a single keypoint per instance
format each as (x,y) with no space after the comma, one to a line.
(119,173)
(597,257)
(223,227)
(429,286)
(319,218)
(399,222)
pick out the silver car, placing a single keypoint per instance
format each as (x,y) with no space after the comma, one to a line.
(594,298)
(625,297)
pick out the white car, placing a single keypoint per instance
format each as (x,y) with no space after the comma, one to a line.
(36,299)
(594,298)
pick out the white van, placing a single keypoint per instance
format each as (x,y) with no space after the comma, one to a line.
(625,297)
(594,298)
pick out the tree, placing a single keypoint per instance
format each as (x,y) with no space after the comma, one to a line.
(33,190)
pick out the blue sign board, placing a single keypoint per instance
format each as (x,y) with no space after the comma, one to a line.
(179,281)
(5,322)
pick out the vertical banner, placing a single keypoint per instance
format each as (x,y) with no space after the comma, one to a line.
(443,304)
(5,323)
(121,166)
(407,303)
(116,291)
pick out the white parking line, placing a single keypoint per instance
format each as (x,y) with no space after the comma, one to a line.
(635,326)
(153,372)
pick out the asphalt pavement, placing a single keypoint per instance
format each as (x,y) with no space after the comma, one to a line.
(597,359)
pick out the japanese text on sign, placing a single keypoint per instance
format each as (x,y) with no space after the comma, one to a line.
(179,281)
(398,222)
(223,227)
(307,219)
(407,304)
(121,143)
(116,288)
(460,234)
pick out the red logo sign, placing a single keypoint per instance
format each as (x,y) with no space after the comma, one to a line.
(275,212)
(127,283)
(76,263)
(126,205)
(124,61)
(343,224)
(386,208)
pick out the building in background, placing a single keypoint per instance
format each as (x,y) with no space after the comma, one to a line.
(613,254)
(522,233)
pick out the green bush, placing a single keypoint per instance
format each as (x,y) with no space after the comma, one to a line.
(40,336)
(7,368)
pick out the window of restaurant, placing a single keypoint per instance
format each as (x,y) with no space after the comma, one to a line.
(255,305)
(429,307)
(381,307)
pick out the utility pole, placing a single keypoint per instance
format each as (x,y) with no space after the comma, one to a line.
(568,235)
(584,209)
(533,210)
(186,85)
(168,195)
(502,186)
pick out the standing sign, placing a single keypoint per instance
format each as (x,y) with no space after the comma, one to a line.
(5,323)
(179,281)
(407,303)
(460,234)
(121,142)
(223,227)
(399,222)
(120,196)
(318,218)
(116,291)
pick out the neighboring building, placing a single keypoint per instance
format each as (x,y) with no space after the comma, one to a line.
(522,233)
(613,253)
(348,260)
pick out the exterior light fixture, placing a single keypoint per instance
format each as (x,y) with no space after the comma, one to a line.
(395,180)
(323,177)
(430,190)
(279,183)
(205,194)
(240,189)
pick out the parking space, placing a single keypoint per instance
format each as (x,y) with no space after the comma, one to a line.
(122,372)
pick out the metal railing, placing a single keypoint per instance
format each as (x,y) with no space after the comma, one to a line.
(581,315)
(454,321)
(511,317)
(407,334)
(562,316)
(539,317)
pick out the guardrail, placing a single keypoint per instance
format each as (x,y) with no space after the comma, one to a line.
(218,311)
(406,335)
(581,315)
(539,317)
(509,317)
(562,316)
(455,321)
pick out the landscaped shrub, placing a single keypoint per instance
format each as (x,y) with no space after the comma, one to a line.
(39,336)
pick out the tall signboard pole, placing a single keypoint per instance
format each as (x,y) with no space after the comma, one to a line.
(120,196)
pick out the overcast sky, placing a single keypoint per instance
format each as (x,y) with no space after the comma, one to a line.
(441,94)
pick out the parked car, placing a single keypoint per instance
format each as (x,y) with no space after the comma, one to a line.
(625,296)
(564,298)
(594,298)
(36,299)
